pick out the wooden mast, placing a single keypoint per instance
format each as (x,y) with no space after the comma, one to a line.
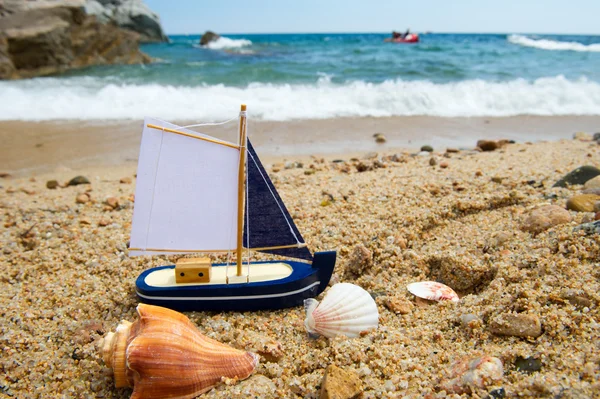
(241,185)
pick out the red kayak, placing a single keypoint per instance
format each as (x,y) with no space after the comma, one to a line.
(410,38)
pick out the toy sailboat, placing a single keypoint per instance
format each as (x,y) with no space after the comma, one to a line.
(198,194)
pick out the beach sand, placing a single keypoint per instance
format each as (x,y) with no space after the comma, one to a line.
(66,279)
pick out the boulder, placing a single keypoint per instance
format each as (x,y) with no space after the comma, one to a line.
(208,37)
(49,37)
(129,14)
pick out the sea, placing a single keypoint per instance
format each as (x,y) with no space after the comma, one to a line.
(285,77)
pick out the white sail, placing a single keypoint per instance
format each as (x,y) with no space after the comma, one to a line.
(186,193)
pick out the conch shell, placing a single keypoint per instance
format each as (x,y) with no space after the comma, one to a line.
(347,309)
(163,355)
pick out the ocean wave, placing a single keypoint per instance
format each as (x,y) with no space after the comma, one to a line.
(226,43)
(91,98)
(546,44)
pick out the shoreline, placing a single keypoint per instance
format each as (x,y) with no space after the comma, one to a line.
(34,147)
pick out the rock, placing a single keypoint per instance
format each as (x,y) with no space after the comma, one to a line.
(592,183)
(578,176)
(452,150)
(133,15)
(125,180)
(427,148)
(340,384)
(363,167)
(432,161)
(595,191)
(82,199)
(78,180)
(398,305)
(498,393)
(103,222)
(582,202)
(208,37)
(461,274)
(497,179)
(443,164)
(51,184)
(545,217)
(589,228)
(360,261)
(379,138)
(113,202)
(488,145)
(528,364)
(516,325)
(472,373)
(42,38)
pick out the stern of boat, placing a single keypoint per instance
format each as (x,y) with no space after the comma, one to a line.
(325,263)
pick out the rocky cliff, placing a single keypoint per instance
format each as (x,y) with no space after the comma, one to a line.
(42,37)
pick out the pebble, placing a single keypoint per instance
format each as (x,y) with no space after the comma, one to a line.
(432,161)
(452,150)
(528,364)
(427,148)
(545,217)
(473,372)
(82,198)
(578,176)
(398,304)
(592,183)
(488,145)
(443,164)
(77,180)
(582,202)
(360,261)
(125,180)
(113,202)
(51,184)
(103,222)
(589,228)
(340,384)
(379,138)
(516,325)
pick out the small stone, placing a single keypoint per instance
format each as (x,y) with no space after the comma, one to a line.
(528,364)
(478,173)
(359,261)
(443,164)
(113,202)
(578,176)
(125,180)
(498,393)
(51,184)
(497,179)
(592,183)
(82,199)
(516,325)
(452,150)
(78,180)
(487,145)
(582,202)
(545,217)
(362,167)
(379,138)
(589,228)
(432,161)
(85,221)
(103,222)
(340,384)
(582,136)
(398,305)
(309,172)
(427,148)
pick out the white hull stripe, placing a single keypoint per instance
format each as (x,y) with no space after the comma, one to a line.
(225,298)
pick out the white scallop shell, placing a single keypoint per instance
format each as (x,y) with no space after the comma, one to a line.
(433,291)
(346,309)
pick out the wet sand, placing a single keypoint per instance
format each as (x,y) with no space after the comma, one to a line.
(394,218)
(35,147)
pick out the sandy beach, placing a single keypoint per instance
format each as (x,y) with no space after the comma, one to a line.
(394,217)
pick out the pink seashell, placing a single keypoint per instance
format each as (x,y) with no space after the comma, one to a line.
(475,372)
(433,291)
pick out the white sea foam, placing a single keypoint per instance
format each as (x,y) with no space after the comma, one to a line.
(546,44)
(225,42)
(89,98)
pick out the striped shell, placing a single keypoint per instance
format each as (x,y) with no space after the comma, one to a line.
(347,310)
(163,355)
(433,291)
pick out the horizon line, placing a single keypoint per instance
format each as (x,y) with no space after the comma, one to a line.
(387,32)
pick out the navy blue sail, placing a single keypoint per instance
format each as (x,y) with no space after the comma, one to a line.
(268,222)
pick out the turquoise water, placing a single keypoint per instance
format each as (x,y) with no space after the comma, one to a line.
(300,76)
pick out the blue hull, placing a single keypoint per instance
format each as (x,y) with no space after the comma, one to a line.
(306,281)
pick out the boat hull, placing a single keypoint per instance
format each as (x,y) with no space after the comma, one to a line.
(305,281)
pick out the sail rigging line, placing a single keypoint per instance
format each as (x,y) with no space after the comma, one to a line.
(210,140)
(162,136)
(212,123)
(277,202)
